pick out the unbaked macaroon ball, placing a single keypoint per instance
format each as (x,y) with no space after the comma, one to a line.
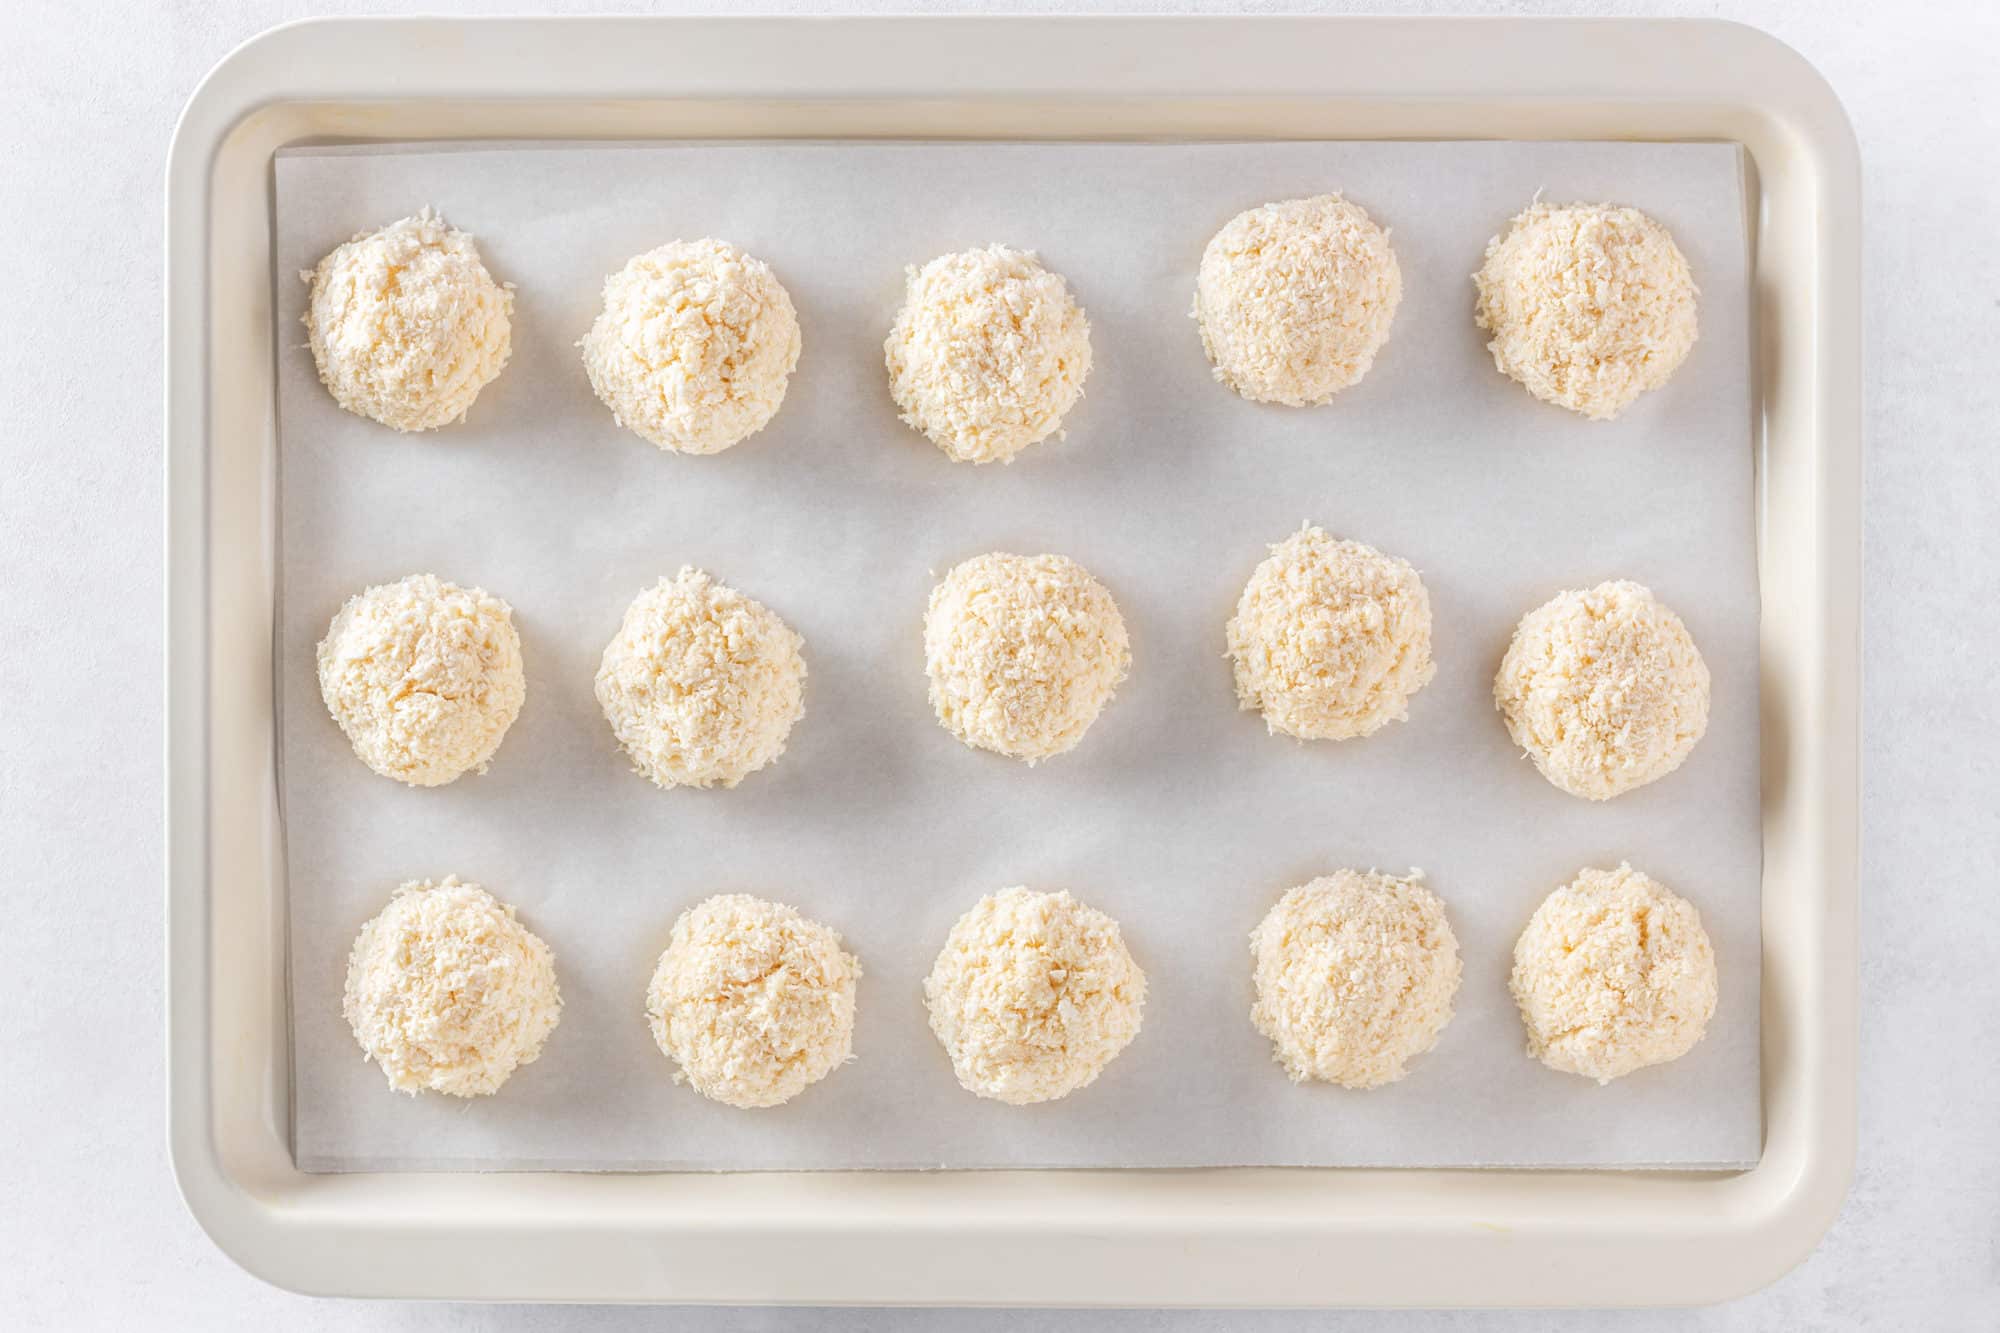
(988,353)
(1330,638)
(1604,689)
(694,347)
(447,992)
(701,684)
(1023,652)
(424,677)
(1295,299)
(1033,995)
(1613,973)
(1355,977)
(406,324)
(1589,305)
(752,1001)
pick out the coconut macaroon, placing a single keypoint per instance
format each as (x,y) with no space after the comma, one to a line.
(447,992)
(1604,689)
(1295,299)
(988,353)
(1613,973)
(694,347)
(1355,977)
(1589,305)
(752,1001)
(701,684)
(1023,652)
(424,677)
(1330,638)
(1033,995)
(406,325)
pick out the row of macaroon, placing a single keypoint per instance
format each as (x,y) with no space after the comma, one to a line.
(702,685)
(1035,993)
(1589,307)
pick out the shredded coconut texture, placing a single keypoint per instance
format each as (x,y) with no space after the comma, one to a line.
(447,992)
(1613,973)
(1023,653)
(695,346)
(406,324)
(1604,689)
(988,353)
(424,677)
(1033,995)
(1330,638)
(1355,977)
(754,1002)
(1589,305)
(701,684)
(1295,299)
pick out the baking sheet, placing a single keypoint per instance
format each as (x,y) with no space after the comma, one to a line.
(1179,815)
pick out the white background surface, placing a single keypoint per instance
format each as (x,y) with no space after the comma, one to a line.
(1179,815)
(91,1233)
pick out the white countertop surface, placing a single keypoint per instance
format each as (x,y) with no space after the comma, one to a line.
(92,1234)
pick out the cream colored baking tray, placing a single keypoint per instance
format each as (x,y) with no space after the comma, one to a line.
(1259,1236)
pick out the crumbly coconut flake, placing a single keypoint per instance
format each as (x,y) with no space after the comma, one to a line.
(1355,977)
(1033,995)
(1295,299)
(1023,653)
(753,1002)
(406,325)
(1613,973)
(1589,305)
(695,345)
(988,353)
(424,677)
(701,685)
(447,992)
(1330,638)
(1605,690)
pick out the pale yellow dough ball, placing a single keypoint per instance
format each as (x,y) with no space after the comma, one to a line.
(701,685)
(1331,639)
(1033,995)
(1295,299)
(1589,305)
(695,346)
(424,678)
(406,325)
(1023,653)
(1613,973)
(753,1002)
(988,354)
(1605,690)
(448,992)
(1355,977)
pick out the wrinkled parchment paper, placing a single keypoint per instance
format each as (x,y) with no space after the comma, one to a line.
(1179,815)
